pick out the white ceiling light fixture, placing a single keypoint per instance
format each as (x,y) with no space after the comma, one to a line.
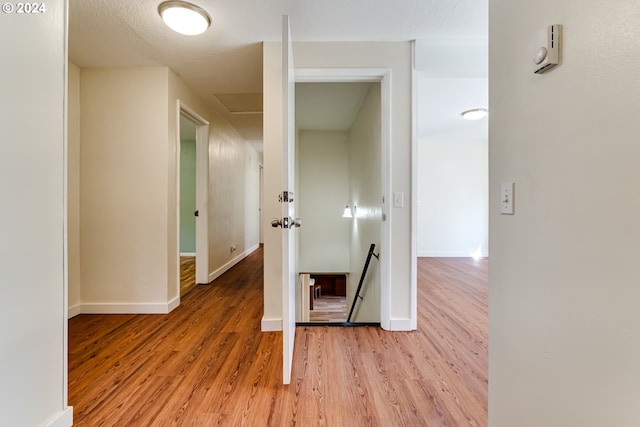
(475,114)
(184,18)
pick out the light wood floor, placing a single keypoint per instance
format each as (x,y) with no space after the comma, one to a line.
(208,364)
(329,308)
(187,274)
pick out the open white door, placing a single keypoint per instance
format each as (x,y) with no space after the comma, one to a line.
(288,205)
(202,194)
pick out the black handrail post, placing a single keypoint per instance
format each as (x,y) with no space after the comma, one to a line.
(364,273)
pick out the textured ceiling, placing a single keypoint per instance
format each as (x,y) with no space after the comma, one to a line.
(227,59)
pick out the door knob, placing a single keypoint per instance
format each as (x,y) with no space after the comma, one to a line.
(286,222)
(196,213)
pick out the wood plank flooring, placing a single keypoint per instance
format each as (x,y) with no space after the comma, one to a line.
(208,364)
(187,274)
(329,308)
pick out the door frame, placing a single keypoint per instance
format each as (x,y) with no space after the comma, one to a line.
(261,202)
(382,76)
(202,193)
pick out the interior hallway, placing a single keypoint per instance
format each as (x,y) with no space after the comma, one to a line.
(207,363)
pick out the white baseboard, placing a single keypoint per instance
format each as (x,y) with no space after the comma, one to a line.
(220,271)
(63,419)
(173,304)
(73,311)
(128,308)
(187,254)
(271,325)
(446,254)
(151,308)
(401,325)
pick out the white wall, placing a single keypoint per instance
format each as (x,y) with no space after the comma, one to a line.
(452,153)
(123,182)
(323,192)
(73,188)
(365,190)
(453,172)
(397,57)
(564,296)
(33,359)
(251,193)
(453,195)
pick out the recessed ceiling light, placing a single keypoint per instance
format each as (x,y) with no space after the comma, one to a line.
(475,114)
(184,18)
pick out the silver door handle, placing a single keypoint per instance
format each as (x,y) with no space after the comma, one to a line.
(286,222)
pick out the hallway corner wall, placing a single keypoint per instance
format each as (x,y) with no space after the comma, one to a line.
(123,196)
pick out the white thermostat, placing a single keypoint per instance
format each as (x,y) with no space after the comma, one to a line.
(546,49)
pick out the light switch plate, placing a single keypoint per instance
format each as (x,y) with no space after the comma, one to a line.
(398,200)
(506,198)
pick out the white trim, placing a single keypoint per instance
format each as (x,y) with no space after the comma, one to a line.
(383,76)
(413,292)
(271,325)
(73,311)
(187,254)
(401,325)
(63,419)
(117,308)
(202,201)
(220,271)
(129,308)
(446,254)
(385,176)
(261,202)
(321,75)
(173,304)
(202,191)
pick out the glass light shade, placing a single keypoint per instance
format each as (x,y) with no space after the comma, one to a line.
(347,212)
(475,114)
(184,18)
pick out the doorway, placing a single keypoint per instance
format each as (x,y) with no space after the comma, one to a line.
(192,211)
(338,169)
(188,209)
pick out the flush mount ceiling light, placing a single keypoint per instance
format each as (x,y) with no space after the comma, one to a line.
(184,18)
(475,114)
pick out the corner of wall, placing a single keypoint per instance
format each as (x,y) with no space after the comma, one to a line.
(271,325)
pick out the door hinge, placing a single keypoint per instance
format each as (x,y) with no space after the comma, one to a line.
(285,197)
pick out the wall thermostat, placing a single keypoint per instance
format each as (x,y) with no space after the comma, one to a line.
(546,49)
